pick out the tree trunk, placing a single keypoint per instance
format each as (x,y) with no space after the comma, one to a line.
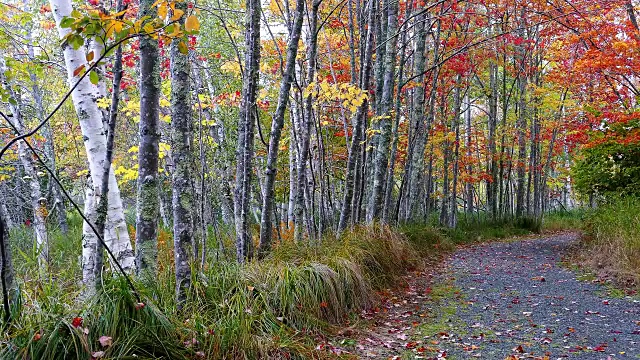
(415,157)
(147,205)
(84,98)
(244,152)
(390,180)
(49,149)
(467,145)
(492,200)
(181,139)
(522,150)
(350,185)
(276,131)
(304,133)
(102,209)
(453,212)
(9,288)
(38,202)
(381,160)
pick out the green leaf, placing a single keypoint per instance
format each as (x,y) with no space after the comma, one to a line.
(76,41)
(66,22)
(94,78)
(183,47)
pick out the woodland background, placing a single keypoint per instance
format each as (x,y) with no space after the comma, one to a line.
(220,178)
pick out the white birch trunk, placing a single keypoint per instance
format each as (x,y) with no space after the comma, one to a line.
(31,177)
(84,98)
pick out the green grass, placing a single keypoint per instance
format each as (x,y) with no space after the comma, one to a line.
(563,220)
(270,308)
(611,241)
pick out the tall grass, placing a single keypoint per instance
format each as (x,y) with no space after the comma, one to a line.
(270,308)
(612,238)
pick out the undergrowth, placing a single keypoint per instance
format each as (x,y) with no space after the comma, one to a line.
(278,307)
(611,241)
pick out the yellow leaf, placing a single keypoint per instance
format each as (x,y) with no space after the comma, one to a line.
(103,103)
(117,26)
(148,28)
(177,14)
(192,24)
(162,11)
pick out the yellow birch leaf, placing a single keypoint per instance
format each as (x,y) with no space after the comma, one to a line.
(177,14)
(192,24)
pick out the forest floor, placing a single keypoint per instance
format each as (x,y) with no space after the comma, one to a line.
(514,299)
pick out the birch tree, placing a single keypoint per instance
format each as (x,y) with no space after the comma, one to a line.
(38,202)
(244,150)
(276,129)
(147,205)
(181,142)
(84,97)
(301,214)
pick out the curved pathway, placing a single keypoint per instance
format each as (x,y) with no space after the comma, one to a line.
(503,300)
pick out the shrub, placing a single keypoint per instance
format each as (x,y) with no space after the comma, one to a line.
(612,238)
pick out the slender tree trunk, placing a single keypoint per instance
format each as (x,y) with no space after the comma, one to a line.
(147,206)
(304,135)
(49,148)
(38,202)
(381,160)
(522,150)
(467,145)
(416,183)
(7,272)
(277,124)
(453,212)
(102,209)
(181,141)
(244,152)
(415,157)
(390,180)
(351,185)
(492,200)
(292,170)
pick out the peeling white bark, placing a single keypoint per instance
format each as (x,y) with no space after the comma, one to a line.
(38,202)
(84,98)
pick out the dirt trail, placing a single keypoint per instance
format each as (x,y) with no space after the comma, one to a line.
(503,300)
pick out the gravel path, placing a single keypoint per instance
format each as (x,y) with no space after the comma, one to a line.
(504,300)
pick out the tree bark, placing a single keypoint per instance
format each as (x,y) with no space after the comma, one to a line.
(244,152)
(302,215)
(381,160)
(38,202)
(147,201)
(277,124)
(181,142)
(6,267)
(354,148)
(84,98)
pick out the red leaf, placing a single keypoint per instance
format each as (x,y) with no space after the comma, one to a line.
(78,70)
(76,322)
